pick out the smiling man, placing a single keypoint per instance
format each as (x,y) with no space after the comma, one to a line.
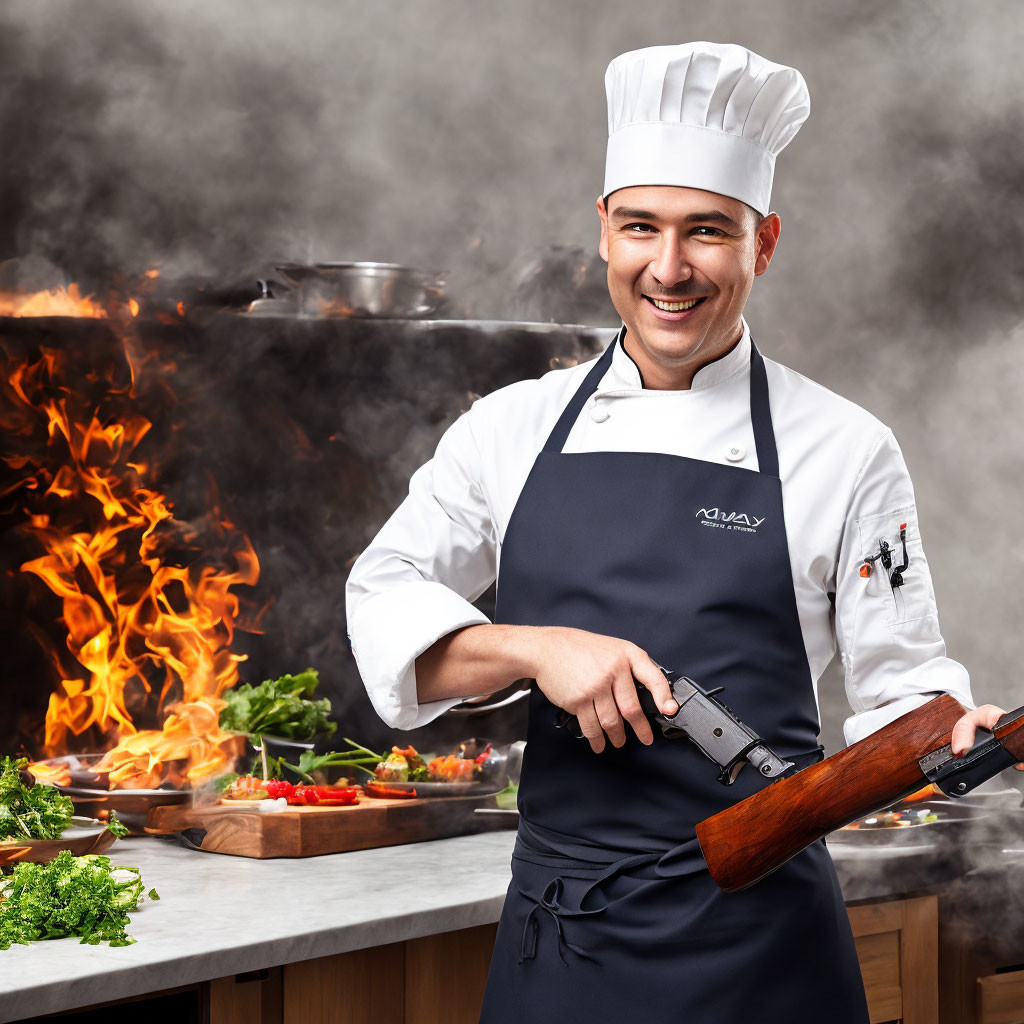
(679,501)
(679,273)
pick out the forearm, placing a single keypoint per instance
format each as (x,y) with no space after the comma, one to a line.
(476,660)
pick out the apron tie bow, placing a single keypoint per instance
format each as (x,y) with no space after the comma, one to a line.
(549,903)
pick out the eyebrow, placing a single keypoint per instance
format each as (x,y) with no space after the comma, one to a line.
(710,216)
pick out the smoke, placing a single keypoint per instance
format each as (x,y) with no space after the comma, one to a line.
(214,140)
(122,151)
(218,142)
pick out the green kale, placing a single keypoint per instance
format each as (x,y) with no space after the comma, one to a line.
(116,825)
(81,896)
(30,812)
(279,707)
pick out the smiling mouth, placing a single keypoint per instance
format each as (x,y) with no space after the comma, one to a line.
(675,307)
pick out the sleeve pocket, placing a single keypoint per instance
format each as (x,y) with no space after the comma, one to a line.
(915,599)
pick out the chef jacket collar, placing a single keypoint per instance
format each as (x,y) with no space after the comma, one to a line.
(624,374)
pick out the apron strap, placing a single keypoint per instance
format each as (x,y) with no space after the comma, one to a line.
(760,410)
(761,416)
(556,441)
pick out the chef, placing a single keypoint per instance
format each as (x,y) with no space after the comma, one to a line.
(680,501)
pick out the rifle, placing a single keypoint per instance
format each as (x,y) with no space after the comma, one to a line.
(752,838)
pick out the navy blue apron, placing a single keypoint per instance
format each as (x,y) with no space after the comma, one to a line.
(611,909)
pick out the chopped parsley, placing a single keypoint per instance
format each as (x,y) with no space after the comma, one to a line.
(81,896)
(30,812)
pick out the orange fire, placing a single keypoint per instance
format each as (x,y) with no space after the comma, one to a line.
(51,774)
(137,619)
(54,302)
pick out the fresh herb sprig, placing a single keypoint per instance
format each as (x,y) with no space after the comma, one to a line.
(116,825)
(83,896)
(30,812)
(357,756)
(279,707)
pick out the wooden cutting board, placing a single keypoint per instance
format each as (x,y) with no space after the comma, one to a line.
(242,830)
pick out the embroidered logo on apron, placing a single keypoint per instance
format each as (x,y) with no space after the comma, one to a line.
(723,520)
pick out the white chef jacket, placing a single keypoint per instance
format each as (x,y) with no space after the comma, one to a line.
(845,487)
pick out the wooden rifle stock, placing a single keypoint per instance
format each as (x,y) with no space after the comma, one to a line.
(752,838)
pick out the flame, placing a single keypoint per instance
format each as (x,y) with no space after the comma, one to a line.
(53,302)
(333,308)
(140,760)
(50,774)
(138,620)
(133,307)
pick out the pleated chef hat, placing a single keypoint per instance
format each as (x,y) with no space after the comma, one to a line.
(704,115)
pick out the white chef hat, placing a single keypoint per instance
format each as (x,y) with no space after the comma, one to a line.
(704,115)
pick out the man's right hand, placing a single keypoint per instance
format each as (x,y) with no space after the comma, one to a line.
(592,677)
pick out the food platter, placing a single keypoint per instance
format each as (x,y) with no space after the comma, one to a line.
(85,835)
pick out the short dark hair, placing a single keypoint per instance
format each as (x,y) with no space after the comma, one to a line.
(757,217)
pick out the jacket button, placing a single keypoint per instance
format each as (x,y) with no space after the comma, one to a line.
(735,453)
(599,414)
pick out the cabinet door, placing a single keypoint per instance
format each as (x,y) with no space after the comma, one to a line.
(445,976)
(349,988)
(898,948)
(1001,998)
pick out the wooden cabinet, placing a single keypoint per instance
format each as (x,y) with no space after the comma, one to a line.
(252,998)
(1001,998)
(440,979)
(898,948)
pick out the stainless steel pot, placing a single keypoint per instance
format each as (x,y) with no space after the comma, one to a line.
(365,289)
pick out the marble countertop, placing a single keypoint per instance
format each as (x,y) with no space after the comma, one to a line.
(220,915)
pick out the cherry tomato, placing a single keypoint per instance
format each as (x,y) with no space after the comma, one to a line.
(278,787)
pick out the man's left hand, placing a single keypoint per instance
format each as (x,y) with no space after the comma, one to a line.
(962,738)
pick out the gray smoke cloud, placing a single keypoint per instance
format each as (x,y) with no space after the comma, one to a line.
(214,139)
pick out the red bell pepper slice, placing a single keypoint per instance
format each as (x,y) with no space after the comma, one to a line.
(382,789)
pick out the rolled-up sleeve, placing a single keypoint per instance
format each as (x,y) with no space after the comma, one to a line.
(892,652)
(416,580)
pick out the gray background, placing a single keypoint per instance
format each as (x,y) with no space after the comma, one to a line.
(215,137)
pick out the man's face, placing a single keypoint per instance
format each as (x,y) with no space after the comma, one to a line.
(667,245)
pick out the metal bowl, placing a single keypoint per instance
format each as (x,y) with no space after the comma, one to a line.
(364,289)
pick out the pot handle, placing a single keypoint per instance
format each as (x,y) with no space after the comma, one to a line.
(479,709)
